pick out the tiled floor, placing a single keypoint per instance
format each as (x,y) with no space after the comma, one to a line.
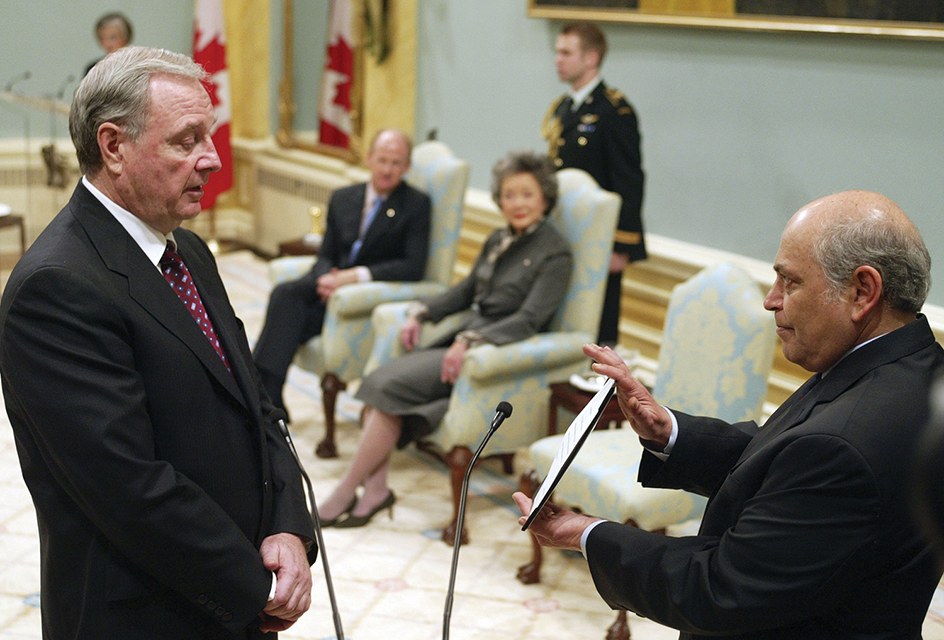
(390,577)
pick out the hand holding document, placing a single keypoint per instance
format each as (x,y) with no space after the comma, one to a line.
(573,439)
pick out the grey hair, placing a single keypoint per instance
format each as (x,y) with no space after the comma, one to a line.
(896,251)
(117,90)
(115,18)
(538,165)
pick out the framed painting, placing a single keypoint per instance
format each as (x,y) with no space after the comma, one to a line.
(895,18)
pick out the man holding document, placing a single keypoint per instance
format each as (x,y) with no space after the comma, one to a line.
(807,532)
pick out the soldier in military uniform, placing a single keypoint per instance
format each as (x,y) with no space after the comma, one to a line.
(594,128)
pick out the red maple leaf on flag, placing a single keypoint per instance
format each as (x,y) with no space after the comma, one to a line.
(341,60)
(212,56)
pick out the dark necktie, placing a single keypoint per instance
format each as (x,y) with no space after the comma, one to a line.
(177,274)
(566,107)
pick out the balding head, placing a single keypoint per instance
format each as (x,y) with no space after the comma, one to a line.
(851,267)
(388,160)
(861,228)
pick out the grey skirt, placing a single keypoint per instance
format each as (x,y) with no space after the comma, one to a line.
(409,387)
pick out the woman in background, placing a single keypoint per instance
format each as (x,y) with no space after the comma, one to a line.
(513,291)
(113,31)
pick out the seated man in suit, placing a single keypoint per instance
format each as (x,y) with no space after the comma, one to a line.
(377,230)
(169,505)
(807,532)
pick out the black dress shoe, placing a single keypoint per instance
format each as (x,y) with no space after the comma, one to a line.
(334,521)
(353,521)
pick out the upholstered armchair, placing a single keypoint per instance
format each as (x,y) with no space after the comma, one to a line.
(520,372)
(717,350)
(339,354)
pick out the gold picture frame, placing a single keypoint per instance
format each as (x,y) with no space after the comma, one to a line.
(286,135)
(724,14)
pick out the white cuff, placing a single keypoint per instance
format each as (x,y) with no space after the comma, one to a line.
(275,583)
(363,274)
(585,535)
(664,454)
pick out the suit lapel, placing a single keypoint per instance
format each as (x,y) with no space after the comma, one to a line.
(847,372)
(148,288)
(216,303)
(382,222)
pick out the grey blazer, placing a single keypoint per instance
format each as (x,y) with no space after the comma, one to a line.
(525,290)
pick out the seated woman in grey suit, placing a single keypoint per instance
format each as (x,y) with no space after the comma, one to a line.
(513,291)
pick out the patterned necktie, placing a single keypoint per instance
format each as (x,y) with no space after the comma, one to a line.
(356,247)
(177,274)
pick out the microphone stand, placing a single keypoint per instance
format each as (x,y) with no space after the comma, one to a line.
(316,520)
(501,412)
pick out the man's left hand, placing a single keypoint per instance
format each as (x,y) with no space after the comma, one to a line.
(329,282)
(284,554)
(554,527)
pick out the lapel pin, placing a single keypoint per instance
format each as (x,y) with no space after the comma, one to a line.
(391,213)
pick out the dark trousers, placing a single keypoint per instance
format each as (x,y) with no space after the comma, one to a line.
(609,322)
(295,315)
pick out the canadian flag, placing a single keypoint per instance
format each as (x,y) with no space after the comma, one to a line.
(209,50)
(335,109)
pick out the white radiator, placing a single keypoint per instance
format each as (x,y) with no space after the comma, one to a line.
(283,195)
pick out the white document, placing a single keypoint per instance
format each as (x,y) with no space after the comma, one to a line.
(573,439)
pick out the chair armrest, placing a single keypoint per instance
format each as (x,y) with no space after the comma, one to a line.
(386,320)
(289,268)
(359,299)
(535,355)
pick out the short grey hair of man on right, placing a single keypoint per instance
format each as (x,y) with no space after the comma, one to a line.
(538,165)
(117,90)
(897,252)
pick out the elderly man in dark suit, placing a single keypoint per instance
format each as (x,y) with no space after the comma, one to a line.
(377,230)
(169,505)
(807,533)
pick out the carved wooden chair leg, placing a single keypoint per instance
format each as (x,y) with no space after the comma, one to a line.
(530,573)
(458,460)
(619,630)
(331,386)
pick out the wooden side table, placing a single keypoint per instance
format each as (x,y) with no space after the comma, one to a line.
(566,395)
(16,220)
(297,247)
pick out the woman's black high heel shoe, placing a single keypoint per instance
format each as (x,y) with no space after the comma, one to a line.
(334,521)
(353,521)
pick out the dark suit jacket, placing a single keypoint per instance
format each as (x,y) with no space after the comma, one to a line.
(602,138)
(154,474)
(807,532)
(396,244)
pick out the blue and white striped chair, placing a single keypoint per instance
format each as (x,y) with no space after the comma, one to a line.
(339,354)
(520,372)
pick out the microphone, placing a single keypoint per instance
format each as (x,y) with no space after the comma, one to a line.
(62,87)
(279,417)
(18,78)
(502,411)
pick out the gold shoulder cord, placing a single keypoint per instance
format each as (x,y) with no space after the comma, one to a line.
(551,128)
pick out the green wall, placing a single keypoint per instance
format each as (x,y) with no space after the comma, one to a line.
(740,129)
(54,39)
